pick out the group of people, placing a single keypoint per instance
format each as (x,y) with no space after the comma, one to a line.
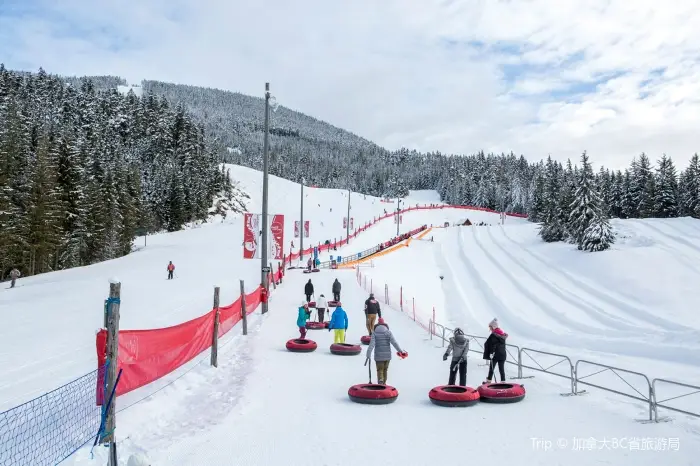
(382,339)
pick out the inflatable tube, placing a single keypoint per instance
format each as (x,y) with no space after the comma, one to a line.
(501,392)
(334,303)
(373,394)
(306,271)
(298,345)
(454,396)
(345,349)
(311,304)
(315,270)
(365,339)
(316,325)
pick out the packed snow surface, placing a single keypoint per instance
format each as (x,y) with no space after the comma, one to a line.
(633,307)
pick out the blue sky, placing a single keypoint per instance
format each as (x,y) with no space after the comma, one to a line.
(532,76)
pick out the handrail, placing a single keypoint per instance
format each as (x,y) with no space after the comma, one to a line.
(571,376)
(658,404)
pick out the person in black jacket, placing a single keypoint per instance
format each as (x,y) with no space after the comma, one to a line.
(495,350)
(372,310)
(308,290)
(336,290)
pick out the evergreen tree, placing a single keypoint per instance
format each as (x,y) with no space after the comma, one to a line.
(690,188)
(598,235)
(586,205)
(666,189)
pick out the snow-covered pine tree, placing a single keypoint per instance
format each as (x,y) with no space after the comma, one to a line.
(586,205)
(666,189)
(690,188)
(598,236)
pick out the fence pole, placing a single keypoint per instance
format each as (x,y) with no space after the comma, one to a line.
(274,282)
(414,309)
(113,303)
(244,314)
(215,334)
(401,298)
(431,329)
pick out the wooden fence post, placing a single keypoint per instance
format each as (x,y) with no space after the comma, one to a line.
(215,334)
(113,303)
(244,313)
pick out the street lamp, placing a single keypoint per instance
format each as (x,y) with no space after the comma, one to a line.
(264,266)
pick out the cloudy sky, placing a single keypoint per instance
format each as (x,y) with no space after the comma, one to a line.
(536,77)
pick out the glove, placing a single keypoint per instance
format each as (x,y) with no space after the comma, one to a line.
(492,355)
(444,357)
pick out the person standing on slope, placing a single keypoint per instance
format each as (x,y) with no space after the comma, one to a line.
(308,290)
(372,310)
(14,275)
(301,320)
(171,270)
(336,290)
(381,342)
(495,350)
(309,264)
(321,306)
(339,323)
(459,347)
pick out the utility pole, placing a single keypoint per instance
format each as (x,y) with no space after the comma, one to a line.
(301,222)
(263,261)
(347,224)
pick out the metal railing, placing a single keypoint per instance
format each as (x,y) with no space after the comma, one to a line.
(647,395)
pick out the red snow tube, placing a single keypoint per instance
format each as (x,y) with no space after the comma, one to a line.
(365,339)
(333,303)
(298,345)
(454,396)
(316,325)
(373,394)
(501,392)
(311,304)
(345,349)
(315,270)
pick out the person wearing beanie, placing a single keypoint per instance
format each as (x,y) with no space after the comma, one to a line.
(495,350)
(301,320)
(381,342)
(372,310)
(459,347)
(321,306)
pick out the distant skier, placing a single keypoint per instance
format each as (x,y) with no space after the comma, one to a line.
(381,342)
(339,323)
(301,320)
(495,350)
(459,347)
(308,290)
(321,306)
(309,264)
(372,309)
(14,275)
(171,270)
(336,290)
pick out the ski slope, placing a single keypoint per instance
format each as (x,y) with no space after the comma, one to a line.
(633,307)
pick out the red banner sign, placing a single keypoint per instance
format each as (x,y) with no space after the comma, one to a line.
(345,222)
(351,222)
(251,228)
(296,228)
(277,243)
(306,229)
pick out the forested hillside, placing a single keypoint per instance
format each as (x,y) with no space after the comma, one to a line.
(82,170)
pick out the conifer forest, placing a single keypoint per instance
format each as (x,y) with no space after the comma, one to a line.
(85,168)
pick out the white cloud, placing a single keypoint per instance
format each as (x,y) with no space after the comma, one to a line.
(406,72)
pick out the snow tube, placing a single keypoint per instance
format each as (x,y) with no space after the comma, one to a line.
(298,345)
(306,271)
(501,392)
(345,349)
(334,303)
(311,304)
(454,396)
(365,339)
(373,394)
(315,270)
(316,325)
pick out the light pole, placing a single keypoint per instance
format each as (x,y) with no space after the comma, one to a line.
(398,215)
(264,267)
(301,222)
(347,224)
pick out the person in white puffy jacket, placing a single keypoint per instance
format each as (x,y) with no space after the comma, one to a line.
(321,306)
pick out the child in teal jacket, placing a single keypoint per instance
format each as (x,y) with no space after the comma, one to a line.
(301,320)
